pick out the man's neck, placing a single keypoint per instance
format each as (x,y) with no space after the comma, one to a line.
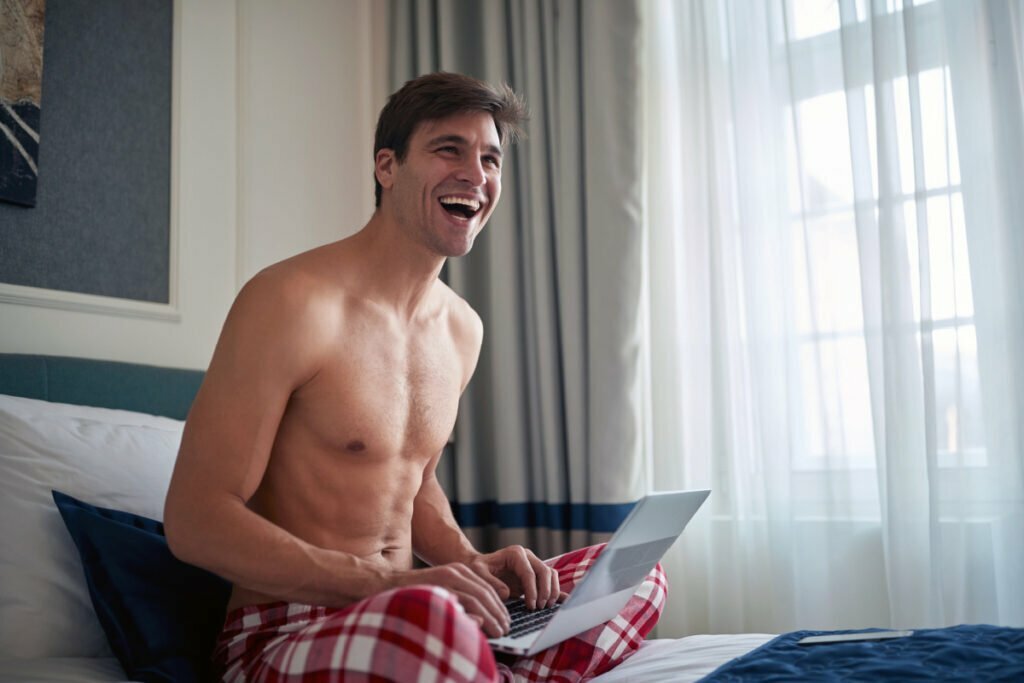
(394,270)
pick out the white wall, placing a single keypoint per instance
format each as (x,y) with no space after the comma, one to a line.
(275,105)
(309,95)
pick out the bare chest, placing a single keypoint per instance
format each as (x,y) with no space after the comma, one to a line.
(381,398)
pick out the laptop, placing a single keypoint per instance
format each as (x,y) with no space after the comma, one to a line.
(653,525)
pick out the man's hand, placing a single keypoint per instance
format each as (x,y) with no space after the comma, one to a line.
(485,581)
(520,572)
(476,589)
(510,572)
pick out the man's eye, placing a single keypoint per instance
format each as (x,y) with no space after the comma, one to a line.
(493,161)
(449,149)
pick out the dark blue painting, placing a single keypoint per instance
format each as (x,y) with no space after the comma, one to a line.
(21,85)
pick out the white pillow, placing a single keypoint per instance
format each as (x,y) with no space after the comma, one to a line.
(27,407)
(111,458)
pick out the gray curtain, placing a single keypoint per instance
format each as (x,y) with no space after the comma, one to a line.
(549,447)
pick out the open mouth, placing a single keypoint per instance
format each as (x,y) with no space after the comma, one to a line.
(460,207)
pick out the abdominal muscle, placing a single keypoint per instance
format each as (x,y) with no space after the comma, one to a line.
(358,503)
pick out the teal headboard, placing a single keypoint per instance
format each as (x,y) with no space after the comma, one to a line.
(105,384)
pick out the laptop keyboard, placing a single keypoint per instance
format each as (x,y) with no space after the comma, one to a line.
(525,620)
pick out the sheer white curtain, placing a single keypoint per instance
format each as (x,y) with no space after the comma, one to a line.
(835,220)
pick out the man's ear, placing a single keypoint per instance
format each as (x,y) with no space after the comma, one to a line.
(384,167)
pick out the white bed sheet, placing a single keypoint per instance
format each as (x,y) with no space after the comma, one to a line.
(665,659)
(681,660)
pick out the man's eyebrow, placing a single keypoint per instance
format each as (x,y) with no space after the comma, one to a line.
(459,140)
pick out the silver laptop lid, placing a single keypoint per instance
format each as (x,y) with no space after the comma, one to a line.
(650,528)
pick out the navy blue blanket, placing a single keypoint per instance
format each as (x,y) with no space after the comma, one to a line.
(958,653)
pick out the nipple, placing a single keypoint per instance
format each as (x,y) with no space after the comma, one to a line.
(355,446)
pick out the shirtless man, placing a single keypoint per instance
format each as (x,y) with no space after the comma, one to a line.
(306,475)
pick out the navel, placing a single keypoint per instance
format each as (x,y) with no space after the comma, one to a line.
(355,446)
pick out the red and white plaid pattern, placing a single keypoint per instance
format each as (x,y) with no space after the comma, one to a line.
(420,633)
(601,648)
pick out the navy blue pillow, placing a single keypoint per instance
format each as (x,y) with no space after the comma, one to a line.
(160,614)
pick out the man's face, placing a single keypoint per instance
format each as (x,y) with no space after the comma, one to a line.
(449,183)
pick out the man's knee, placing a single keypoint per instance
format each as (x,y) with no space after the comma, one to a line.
(583,557)
(429,607)
(454,646)
(649,600)
(423,595)
(657,575)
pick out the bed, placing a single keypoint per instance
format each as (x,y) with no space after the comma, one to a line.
(88,590)
(106,434)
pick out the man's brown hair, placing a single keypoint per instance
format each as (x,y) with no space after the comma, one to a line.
(436,96)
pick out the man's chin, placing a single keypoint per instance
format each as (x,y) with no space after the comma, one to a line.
(457,247)
(456,252)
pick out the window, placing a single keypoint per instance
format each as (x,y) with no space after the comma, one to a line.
(907,205)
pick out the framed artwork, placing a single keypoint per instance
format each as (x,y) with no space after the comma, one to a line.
(21,86)
(101,235)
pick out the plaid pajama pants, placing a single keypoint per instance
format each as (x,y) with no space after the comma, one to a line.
(420,633)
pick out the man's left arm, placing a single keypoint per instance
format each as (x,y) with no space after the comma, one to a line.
(437,539)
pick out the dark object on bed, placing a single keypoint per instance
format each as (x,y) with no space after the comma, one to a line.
(104,384)
(957,653)
(160,615)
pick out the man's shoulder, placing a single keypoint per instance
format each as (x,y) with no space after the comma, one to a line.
(305,279)
(287,291)
(466,323)
(291,297)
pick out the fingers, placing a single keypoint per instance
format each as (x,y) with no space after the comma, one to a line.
(477,596)
(540,582)
(556,594)
(493,621)
(518,559)
(481,592)
(543,574)
(484,572)
(549,577)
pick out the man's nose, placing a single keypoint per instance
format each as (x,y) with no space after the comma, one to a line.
(472,170)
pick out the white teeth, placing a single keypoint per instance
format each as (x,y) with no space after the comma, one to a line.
(471,203)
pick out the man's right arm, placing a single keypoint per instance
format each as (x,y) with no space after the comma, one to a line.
(267,349)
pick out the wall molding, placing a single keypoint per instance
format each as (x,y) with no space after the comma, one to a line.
(88,303)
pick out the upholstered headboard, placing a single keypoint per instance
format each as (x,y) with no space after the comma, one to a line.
(104,384)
